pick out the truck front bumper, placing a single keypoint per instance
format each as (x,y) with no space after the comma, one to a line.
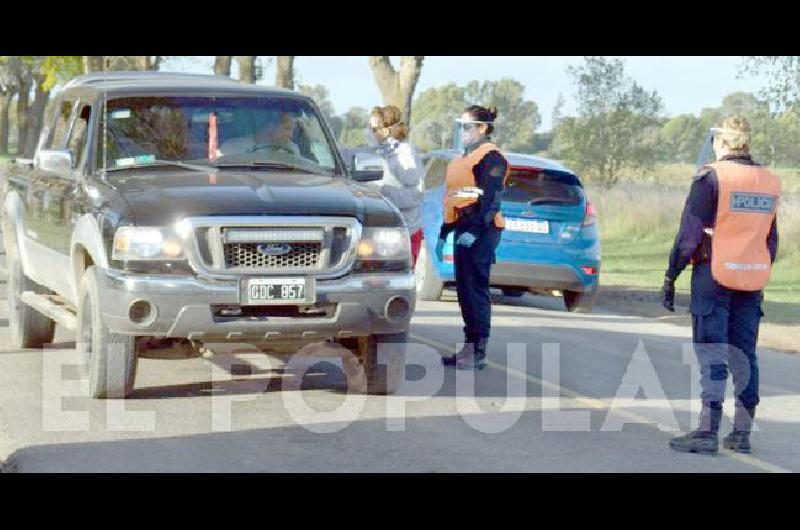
(187,307)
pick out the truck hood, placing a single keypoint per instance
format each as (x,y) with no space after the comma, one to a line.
(159,198)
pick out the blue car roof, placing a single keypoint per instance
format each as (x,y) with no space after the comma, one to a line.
(515,159)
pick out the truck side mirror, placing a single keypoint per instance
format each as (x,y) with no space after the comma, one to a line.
(55,160)
(364,173)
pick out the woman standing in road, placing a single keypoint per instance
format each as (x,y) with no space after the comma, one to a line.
(402,175)
(472,208)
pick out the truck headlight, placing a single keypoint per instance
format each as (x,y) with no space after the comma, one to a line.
(384,249)
(138,243)
(384,244)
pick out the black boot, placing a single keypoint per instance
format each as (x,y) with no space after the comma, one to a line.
(476,359)
(467,349)
(739,439)
(705,439)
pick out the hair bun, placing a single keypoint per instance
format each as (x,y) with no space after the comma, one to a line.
(493,112)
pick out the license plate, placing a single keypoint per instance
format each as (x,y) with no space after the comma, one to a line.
(278,291)
(526,225)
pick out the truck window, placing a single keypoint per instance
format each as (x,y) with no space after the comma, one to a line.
(246,129)
(58,135)
(77,138)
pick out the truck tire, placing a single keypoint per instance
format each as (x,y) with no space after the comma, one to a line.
(379,379)
(576,302)
(109,359)
(429,285)
(29,328)
(511,292)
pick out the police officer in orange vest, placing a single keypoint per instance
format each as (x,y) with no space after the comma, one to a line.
(729,232)
(472,208)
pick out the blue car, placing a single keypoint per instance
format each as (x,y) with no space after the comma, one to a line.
(550,245)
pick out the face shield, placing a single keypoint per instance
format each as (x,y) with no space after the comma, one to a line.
(466,132)
(707,155)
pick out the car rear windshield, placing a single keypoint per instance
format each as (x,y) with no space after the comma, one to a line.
(538,186)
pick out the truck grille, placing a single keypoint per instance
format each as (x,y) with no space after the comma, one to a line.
(227,247)
(248,256)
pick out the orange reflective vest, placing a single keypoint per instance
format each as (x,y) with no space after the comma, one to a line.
(460,177)
(746,208)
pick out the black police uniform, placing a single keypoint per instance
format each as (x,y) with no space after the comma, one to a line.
(473,264)
(725,322)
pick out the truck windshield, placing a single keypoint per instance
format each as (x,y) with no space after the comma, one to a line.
(257,132)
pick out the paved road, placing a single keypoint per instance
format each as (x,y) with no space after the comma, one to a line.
(563,409)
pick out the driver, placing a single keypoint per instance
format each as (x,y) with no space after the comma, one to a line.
(274,135)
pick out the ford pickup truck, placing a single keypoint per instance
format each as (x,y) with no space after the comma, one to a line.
(197,209)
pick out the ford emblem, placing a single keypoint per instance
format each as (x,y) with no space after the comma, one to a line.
(274,249)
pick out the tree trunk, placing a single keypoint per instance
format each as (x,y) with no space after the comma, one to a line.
(5,105)
(247,68)
(284,75)
(23,97)
(93,63)
(36,117)
(397,87)
(222,65)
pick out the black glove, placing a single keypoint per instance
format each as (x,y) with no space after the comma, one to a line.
(668,295)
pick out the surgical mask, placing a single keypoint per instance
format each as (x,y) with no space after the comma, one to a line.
(372,141)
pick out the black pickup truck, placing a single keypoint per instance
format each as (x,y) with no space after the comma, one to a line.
(173,207)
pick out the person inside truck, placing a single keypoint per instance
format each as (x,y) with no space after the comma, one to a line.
(273,131)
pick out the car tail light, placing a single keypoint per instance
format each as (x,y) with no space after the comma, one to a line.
(590,217)
(589,271)
(449,258)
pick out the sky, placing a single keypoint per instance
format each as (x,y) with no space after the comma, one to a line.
(687,84)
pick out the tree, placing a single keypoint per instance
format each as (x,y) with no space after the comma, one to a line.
(783,73)
(558,111)
(284,73)
(108,63)
(222,65)
(321,97)
(397,86)
(681,139)
(617,124)
(434,111)
(247,68)
(356,120)
(517,118)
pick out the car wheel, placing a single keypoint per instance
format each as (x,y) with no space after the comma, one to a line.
(514,293)
(109,359)
(429,285)
(576,302)
(382,360)
(29,328)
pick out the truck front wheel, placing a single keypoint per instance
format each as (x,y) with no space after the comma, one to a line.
(109,359)
(29,328)
(382,360)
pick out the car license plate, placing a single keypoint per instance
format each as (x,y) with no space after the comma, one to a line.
(278,291)
(532,226)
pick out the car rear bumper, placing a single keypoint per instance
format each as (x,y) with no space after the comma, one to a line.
(541,276)
(187,307)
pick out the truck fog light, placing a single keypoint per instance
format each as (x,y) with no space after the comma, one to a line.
(142,312)
(398,308)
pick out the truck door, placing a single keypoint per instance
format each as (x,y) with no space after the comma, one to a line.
(47,212)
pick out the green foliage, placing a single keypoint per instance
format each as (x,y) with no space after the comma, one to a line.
(783,73)
(435,109)
(517,118)
(681,139)
(60,68)
(617,126)
(356,120)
